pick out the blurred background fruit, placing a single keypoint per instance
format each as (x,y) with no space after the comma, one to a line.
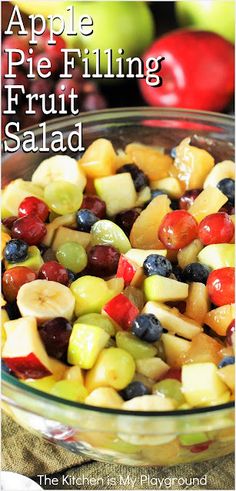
(213,15)
(199,77)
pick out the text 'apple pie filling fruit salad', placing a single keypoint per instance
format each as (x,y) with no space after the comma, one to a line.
(118,278)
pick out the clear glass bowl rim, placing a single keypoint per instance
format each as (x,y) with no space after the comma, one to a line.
(217,119)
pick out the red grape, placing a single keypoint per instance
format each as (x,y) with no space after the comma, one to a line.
(33,206)
(53,271)
(103,260)
(14,278)
(55,335)
(178,228)
(220,285)
(126,219)
(93,102)
(188,198)
(94,204)
(65,87)
(30,229)
(216,228)
(8,222)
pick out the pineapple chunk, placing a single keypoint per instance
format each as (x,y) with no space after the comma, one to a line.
(188,254)
(117,191)
(104,397)
(222,170)
(174,348)
(201,384)
(65,234)
(99,160)
(58,368)
(218,256)
(163,289)
(203,348)
(153,368)
(150,160)
(193,164)
(198,302)
(172,320)
(144,233)
(170,185)
(227,375)
(220,318)
(86,342)
(210,200)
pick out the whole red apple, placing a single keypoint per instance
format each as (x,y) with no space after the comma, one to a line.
(197,73)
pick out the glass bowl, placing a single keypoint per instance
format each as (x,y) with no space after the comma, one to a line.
(147,438)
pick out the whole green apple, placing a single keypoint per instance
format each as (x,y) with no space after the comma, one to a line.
(127,25)
(212,15)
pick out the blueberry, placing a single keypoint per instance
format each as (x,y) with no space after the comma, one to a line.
(177,271)
(147,327)
(85,220)
(195,272)
(16,250)
(72,276)
(227,187)
(157,264)
(156,192)
(140,179)
(227,360)
(134,389)
(173,153)
(174,204)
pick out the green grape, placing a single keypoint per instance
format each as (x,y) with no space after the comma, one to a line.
(63,197)
(169,388)
(72,256)
(137,348)
(90,293)
(114,368)
(108,233)
(193,438)
(98,320)
(70,389)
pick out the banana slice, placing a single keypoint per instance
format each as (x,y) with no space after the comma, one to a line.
(157,430)
(45,300)
(223,170)
(59,168)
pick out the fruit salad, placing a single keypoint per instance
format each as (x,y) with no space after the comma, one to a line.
(118,278)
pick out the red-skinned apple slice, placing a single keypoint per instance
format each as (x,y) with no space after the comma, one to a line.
(126,269)
(122,311)
(23,351)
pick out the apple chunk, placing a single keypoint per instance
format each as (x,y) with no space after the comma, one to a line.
(201,384)
(117,191)
(121,310)
(86,342)
(126,269)
(163,289)
(139,255)
(23,351)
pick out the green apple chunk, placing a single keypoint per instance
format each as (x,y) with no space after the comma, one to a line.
(108,233)
(218,256)
(137,348)
(201,384)
(163,289)
(33,261)
(98,320)
(172,320)
(117,191)
(14,194)
(91,294)
(85,344)
(114,367)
